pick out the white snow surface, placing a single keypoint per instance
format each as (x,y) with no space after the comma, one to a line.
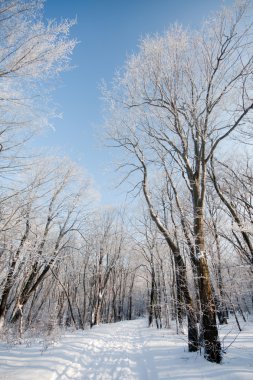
(126,351)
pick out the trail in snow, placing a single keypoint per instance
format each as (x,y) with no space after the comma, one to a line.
(124,351)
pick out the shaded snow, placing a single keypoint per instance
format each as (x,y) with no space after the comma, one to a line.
(126,351)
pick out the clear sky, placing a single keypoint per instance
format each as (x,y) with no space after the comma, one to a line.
(108,30)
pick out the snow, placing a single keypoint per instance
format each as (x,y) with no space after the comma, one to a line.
(126,351)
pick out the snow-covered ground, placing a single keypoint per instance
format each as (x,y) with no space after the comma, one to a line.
(126,351)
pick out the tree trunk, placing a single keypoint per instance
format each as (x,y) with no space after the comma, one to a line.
(193,341)
(130,299)
(96,314)
(212,347)
(193,345)
(152,300)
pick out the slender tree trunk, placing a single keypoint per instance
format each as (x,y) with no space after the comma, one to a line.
(193,344)
(179,294)
(152,300)
(97,311)
(221,309)
(158,314)
(130,299)
(193,340)
(166,298)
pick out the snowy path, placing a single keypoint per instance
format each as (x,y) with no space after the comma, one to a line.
(123,351)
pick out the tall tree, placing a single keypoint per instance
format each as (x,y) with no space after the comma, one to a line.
(179,98)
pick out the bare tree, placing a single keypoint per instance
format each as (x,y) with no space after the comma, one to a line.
(33,51)
(58,191)
(180,97)
(108,248)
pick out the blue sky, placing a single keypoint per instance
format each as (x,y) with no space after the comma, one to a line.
(108,30)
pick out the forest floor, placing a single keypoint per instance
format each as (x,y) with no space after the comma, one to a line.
(126,351)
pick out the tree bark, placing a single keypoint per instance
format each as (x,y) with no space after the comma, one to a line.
(212,345)
(193,342)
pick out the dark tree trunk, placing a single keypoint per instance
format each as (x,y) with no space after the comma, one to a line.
(212,346)
(179,263)
(152,299)
(193,340)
